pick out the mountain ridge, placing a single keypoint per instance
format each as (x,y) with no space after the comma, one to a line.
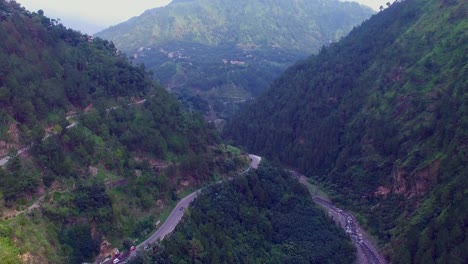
(172,22)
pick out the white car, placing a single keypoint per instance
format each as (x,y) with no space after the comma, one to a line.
(117,260)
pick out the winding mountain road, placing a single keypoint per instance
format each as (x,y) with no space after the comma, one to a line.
(176,215)
(254,161)
(174,218)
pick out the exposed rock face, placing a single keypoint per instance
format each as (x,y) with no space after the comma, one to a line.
(93,170)
(382,191)
(417,183)
(106,251)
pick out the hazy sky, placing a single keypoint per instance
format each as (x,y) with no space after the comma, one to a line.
(90,16)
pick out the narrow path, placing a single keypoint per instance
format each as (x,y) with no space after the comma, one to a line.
(35,205)
(367,252)
(5,160)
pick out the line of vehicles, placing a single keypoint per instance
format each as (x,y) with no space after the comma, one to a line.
(351,228)
(120,257)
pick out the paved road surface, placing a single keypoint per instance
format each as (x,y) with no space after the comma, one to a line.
(172,220)
(4,161)
(166,228)
(367,252)
(255,160)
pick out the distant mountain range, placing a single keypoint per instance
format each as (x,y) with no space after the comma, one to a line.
(219,53)
(291,24)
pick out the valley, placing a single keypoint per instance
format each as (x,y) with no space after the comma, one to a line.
(215,212)
(217,55)
(131,146)
(367,251)
(368,117)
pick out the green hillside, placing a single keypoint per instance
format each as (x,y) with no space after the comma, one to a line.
(223,53)
(265,216)
(90,148)
(381,120)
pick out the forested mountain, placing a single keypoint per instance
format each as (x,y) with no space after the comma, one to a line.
(91,148)
(265,216)
(381,118)
(217,54)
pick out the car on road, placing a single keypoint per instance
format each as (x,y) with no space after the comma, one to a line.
(117,260)
(181,208)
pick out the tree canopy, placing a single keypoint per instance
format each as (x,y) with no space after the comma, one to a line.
(262,217)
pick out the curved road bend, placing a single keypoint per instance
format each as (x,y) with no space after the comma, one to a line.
(367,252)
(174,218)
(254,161)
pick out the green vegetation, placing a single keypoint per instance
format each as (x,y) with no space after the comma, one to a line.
(34,238)
(79,243)
(218,54)
(105,150)
(262,217)
(380,118)
(8,252)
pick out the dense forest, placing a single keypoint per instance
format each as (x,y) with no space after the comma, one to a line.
(381,119)
(222,53)
(91,148)
(262,217)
